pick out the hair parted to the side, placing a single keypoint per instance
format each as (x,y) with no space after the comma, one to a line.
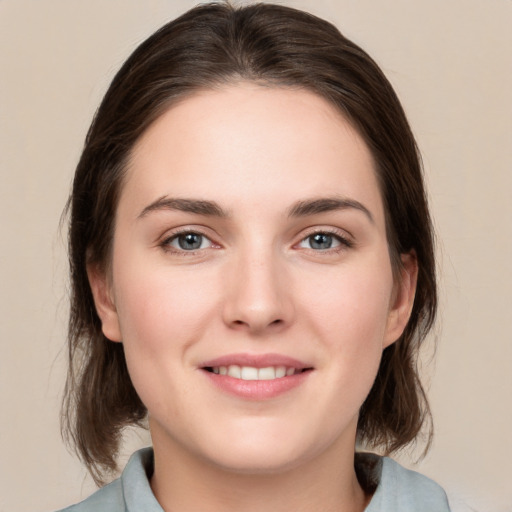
(212,45)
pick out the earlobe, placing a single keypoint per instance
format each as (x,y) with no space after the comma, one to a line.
(403,298)
(104,302)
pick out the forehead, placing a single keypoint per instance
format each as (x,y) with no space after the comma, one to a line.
(251,141)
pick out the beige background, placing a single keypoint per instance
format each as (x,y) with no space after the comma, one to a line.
(450,61)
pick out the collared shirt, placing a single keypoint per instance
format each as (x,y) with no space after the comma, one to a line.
(397,489)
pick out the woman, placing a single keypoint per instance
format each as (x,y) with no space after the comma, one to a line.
(252,271)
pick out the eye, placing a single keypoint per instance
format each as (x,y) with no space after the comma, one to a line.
(189,241)
(323,241)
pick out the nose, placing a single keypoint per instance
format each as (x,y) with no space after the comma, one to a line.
(258,294)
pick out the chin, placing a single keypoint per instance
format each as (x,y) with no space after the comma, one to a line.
(264,450)
(258,462)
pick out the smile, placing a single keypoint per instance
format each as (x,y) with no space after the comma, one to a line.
(256,376)
(253,373)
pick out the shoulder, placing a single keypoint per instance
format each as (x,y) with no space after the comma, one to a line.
(132,491)
(108,498)
(401,490)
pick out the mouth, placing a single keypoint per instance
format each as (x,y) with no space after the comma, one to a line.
(256,377)
(254,373)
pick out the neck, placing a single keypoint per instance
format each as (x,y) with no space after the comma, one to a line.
(183,482)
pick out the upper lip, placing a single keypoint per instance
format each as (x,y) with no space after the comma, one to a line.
(255,361)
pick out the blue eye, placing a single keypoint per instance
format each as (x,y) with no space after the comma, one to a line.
(189,241)
(322,241)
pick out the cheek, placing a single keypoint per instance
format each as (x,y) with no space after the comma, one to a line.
(156,304)
(355,305)
(161,313)
(351,320)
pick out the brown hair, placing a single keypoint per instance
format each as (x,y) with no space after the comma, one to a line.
(207,47)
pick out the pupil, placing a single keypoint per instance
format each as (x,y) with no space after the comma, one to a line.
(190,241)
(321,241)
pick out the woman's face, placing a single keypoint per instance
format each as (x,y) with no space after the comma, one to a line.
(251,282)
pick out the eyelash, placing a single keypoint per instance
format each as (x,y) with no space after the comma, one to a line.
(165,244)
(344,242)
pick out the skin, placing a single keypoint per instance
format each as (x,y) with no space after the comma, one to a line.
(256,285)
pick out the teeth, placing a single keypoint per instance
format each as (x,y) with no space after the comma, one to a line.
(251,373)
(280,371)
(267,373)
(234,371)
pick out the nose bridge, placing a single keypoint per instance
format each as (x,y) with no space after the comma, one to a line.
(258,298)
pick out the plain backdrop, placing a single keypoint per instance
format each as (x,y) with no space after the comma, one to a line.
(450,61)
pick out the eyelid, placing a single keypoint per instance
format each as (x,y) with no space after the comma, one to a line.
(172,234)
(346,240)
(344,237)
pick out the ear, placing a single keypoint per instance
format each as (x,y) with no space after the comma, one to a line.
(403,298)
(104,302)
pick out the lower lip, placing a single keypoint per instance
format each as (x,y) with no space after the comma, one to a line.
(257,389)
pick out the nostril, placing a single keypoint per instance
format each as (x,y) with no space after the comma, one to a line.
(257,323)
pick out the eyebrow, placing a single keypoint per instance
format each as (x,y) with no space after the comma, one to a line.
(212,209)
(322,205)
(197,206)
